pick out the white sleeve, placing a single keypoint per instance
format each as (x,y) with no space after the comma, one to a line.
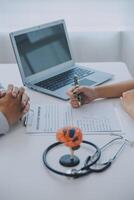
(4,126)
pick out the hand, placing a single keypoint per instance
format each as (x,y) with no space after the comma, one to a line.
(127,101)
(11,107)
(14,91)
(2,93)
(11,89)
(88,94)
(14,104)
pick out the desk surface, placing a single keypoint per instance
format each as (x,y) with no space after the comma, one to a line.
(23,175)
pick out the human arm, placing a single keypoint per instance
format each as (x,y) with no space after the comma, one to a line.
(114,90)
(89,94)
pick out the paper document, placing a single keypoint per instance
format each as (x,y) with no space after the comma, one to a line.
(97,116)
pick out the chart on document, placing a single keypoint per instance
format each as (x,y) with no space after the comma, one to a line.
(98,116)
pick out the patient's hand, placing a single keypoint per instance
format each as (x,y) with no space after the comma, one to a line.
(14,91)
(127,100)
(13,106)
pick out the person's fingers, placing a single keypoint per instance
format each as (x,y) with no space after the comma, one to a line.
(21,92)
(74,103)
(75,90)
(124,94)
(2,93)
(127,93)
(10,88)
(121,99)
(79,91)
(70,92)
(26,109)
(25,99)
(15,91)
(73,98)
(123,102)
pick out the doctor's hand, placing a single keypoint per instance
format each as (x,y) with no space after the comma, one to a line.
(12,106)
(87,94)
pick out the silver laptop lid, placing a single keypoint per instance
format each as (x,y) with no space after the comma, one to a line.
(42,51)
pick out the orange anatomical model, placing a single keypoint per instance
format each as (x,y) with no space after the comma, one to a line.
(72,138)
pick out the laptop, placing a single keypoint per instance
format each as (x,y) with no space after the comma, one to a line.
(45,60)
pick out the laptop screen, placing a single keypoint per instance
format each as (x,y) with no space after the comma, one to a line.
(42,49)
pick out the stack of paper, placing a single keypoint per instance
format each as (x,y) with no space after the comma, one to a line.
(99,116)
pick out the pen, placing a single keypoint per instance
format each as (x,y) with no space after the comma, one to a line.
(76,84)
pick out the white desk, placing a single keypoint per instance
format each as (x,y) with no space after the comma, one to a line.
(23,175)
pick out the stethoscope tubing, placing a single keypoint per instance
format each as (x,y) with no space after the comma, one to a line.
(88,167)
(75,175)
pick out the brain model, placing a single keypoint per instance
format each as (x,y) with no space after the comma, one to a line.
(70,136)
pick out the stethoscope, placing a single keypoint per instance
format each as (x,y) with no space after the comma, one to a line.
(91,163)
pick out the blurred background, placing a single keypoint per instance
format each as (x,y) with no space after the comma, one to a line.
(15,14)
(99,30)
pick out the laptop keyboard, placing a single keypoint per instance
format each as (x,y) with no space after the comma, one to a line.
(64,78)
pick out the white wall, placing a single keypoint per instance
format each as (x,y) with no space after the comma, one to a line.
(79,15)
(96,46)
(127,54)
(17,14)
